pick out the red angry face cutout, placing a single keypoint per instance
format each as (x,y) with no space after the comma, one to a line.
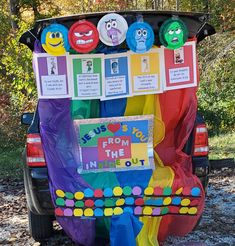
(83,36)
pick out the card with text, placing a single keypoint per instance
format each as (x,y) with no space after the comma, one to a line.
(146,72)
(181,68)
(86,74)
(116,84)
(51,76)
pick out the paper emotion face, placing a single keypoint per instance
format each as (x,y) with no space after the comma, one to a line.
(83,36)
(112,29)
(54,39)
(173,34)
(140,37)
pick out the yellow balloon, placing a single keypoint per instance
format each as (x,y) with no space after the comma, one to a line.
(78,212)
(60,193)
(118,211)
(79,195)
(88,212)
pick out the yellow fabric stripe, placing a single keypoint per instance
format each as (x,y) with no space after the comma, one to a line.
(162,176)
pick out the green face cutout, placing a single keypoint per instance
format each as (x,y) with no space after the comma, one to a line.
(173,34)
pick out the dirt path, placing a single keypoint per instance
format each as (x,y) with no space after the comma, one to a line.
(216,227)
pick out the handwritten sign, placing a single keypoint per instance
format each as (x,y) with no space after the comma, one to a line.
(146,72)
(181,67)
(51,76)
(86,74)
(115,144)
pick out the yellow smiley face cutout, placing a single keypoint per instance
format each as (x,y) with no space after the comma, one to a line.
(54,40)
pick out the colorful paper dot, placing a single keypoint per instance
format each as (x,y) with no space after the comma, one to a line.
(59,212)
(167,201)
(79,204)
(192,210)
(183,210)
(98,193)
(158,202)
(195,191)
(108,192)
(117,191)
(186,191)
(149,202)
(128,210)
(89,203)
(69,203)
(167,191)
(99,203)
(69,195)
(120,202)
(179,191)
(176,200)
(139,201)
(147,211)
(60,193)
(60,202)
(109,203)
(108,211)
(138,210)
(148,191)
(68,212)
(88,192)
(127,190)
(156,211)
(158,191)
(129,201)
(79,195)
(78,212)
(117,211)
(164,210)
(98,212)
(136,191)
(88,212)
(185,202)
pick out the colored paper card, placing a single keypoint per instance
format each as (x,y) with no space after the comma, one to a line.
(146,72)
(117,76)
(115,144)
(181,67)
(51,76)
(86,74)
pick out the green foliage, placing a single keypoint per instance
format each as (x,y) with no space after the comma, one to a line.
(217,87)
(222,146)
(10,162)
(17,87)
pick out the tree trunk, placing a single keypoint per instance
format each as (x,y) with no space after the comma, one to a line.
(14,13)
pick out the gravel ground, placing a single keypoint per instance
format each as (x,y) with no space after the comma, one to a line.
(215,228)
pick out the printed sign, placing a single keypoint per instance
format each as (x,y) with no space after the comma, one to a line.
(115,144)
(116,76)
(51,76)
(181,67)
(146,71)
(86,74)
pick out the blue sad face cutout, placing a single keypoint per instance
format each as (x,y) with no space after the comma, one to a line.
(54,39)
(140,37)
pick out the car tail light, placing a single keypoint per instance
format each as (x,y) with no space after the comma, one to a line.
(34,152)
(201,147)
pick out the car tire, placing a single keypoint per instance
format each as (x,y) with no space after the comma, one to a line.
(40,226)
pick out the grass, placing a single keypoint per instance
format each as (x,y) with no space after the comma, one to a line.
(222,146)
(11,165)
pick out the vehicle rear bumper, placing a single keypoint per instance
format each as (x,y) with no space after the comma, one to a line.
(37,191)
